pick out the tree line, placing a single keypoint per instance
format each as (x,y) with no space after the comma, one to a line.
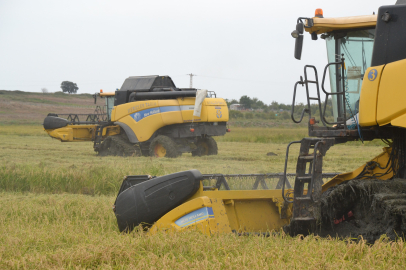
(275,109)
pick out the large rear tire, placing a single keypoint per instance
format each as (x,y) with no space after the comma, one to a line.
(205,147)
(163,146)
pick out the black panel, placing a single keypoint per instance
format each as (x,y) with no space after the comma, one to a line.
(390,38)
(143,84)
(120,97)
(200,129)
(53,122)
(147,201)
(140,83)
(137,96)
(163,81)
(146,83)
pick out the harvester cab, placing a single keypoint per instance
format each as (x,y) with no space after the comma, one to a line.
(349,42)
(109,102)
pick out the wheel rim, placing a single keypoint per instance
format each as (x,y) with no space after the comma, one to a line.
(205,148)
(159,150)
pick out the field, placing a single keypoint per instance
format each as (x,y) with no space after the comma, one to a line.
(56,212)
(56,201)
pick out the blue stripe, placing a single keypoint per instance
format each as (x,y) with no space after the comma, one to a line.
(138,116)
(169,109)
(195,216)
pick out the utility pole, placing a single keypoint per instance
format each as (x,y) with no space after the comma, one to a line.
(191,79)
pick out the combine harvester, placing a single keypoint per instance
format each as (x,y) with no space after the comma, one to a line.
(148,116)
(366,66)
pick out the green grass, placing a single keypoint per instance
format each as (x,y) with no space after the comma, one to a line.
(31,161)
(263,135)
(56,201)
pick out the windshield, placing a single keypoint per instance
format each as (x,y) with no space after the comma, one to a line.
(356,47)
(109,105)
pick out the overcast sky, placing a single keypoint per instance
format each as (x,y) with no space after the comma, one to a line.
(235,47)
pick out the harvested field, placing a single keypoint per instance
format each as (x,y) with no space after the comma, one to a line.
(18,107)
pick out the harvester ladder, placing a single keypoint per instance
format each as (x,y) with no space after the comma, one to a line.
(308,181)
(98,136)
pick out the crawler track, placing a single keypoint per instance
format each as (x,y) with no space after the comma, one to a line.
(118,146)
(367,208)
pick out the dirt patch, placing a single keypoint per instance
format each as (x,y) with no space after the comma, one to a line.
(367,208)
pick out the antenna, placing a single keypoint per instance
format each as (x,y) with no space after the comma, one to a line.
(191,79)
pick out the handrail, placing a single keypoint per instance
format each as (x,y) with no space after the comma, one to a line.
(317,88)
(284,172)
(333,94)
(293,104)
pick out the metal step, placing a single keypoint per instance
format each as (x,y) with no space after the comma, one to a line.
(307,158)
(304,178)
(304,198)
(304,219)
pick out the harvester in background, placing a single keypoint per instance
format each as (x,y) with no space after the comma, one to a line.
(366,66)
(148,116)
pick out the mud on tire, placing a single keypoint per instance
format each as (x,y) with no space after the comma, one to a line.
(206,146)
(163,146)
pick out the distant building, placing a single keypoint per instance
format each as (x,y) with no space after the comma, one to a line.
(236,107)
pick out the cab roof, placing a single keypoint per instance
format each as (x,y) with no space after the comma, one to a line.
(324,25)
(107,94)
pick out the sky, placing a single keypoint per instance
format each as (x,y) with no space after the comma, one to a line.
(234,47)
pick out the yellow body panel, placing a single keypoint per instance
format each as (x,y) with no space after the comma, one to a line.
(207,224)
(323,25)
(187,106)
(382,159)
(243,211)
(369,96)
(123,110)
(392,94)
(146,117)
(80,133)
(217,110)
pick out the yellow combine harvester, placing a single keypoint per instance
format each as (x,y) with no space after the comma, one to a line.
(148,116)
(367,63)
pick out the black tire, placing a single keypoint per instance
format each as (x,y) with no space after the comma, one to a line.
(206,146)
(118,145)
(163,146)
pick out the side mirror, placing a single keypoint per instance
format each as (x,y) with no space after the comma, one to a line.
(298,47)
(298,35)
(300,27)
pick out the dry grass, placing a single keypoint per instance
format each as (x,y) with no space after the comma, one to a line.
(79,232)
(46,221)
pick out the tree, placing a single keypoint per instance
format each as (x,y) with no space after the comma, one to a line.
(246,102)
(229,102)
(44,90)
(69,87)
